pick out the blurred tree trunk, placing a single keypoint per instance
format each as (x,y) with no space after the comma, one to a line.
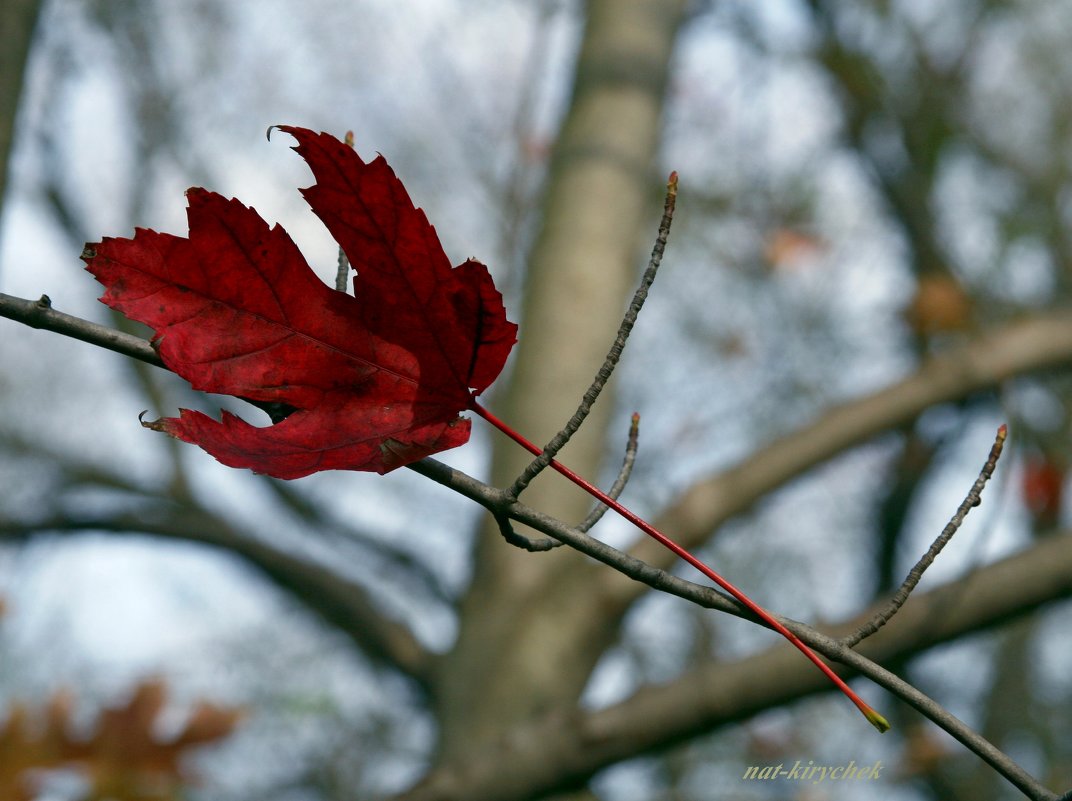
(18,18)
(527,644)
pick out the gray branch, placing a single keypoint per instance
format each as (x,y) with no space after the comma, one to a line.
(502,505)
(1041,342)
(565,748)
(973,499)
(558,442)
(40,314)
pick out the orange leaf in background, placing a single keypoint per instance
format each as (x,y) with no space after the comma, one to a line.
(20,751)
(787,248)
(123,758)
(376,380)
(940,305)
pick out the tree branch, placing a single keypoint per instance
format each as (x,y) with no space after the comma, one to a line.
(564,749)
(558,442)
(18,19)
(1043,342)
(40,314)
(501,504)
(1036,343)
(973,499)
(626,470)
(344,604)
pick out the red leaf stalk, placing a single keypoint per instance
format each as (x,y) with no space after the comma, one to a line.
(876,720)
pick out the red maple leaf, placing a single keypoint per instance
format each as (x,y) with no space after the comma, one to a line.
(376,380)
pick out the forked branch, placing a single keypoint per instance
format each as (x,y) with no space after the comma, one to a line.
(613,355)
(499,503)
(41,315)
(624,472)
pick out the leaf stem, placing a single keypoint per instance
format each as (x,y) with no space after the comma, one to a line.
(872,716)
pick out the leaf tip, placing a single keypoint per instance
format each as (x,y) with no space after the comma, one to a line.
(155,425)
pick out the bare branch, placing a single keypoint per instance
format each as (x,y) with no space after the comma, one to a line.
(973,499)
(607,368)
(1034,344)
(520,540)
(623,475)
(1044,341)
(564,749)
(500,504)
(342,269)
(40,314)
(1041,342)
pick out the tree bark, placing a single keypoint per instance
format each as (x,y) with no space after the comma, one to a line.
(18,19)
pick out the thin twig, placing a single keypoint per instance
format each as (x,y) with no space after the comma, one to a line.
(973,499)
(1001,762)
(521,541)
(342,272)
(531,544)
(603,375)
(500,504)
(40,314)
(873,716)
(623,475)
